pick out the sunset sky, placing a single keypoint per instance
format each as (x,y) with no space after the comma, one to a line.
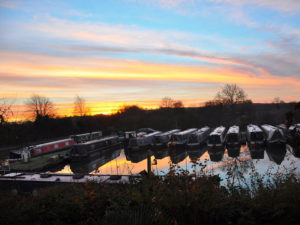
(117,52)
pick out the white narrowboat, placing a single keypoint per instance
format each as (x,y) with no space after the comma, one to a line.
(198,137)
(273,135)
(216,139)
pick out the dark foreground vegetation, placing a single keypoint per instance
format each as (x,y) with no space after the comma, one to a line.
(133,117)
(177,199)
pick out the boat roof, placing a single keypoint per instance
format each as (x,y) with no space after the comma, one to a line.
(169,132)
(53,142)
(253,128)
(79,135)
(98,140)
(153,134)
(268,127)
(202,130)
(186,131)
(234,130)
(218,131)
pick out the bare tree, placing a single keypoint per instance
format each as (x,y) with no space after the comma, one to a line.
(5,110)
(277,100)
(231,94)
(80,108)
(167,102)
(40,107)
(178,104)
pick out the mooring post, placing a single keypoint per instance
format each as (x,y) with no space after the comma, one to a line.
(148,162)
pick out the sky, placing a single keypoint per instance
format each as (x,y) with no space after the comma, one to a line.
(123,52)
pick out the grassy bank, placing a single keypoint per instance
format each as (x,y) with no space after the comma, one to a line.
(177,199)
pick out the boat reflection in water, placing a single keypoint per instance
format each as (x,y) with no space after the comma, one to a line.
(233,151)
(295,150)
(93,163)
(160,154)
(195,154)
(257,153)
(137,156)
(276,153)
(216,155)
(177,155)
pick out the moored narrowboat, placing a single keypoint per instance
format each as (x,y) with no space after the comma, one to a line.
(197,138)
(233,137)
(216,139)
(255,137)
(180,139)
(161,140)
(40,149)
(92,148)
(142,142)
(273,135)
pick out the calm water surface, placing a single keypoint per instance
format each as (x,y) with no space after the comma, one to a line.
(243,160)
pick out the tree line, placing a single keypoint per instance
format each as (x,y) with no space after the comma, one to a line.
(230,106)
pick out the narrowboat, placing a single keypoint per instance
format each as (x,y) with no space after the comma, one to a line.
(255,137)
(216,139)
(180,139)
(233,137)
(127,136)
(161,140)
(197,138)
(41,149)
(92,148)
(273,135)
(142,142)
(293,137)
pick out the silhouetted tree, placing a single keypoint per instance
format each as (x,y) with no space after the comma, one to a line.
(231,94)
(178,104)
(80,108)
(40,107)
(277,100)
(167,102)
(5,110)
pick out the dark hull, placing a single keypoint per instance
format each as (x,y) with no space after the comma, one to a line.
(96,152)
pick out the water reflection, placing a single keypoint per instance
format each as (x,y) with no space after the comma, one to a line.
(93,163)
(137,156)
(233,151)
(294,149)
(195,154)
(216,155)
(257,153)
(160,154)
(236,160)
(177,155)
(276,153)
